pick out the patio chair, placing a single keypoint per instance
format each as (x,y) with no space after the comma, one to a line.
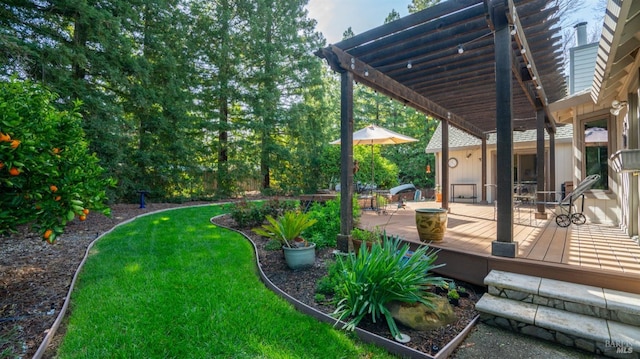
(566,207)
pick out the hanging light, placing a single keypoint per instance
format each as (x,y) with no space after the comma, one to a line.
(460,49)
(428,168)
(409,64)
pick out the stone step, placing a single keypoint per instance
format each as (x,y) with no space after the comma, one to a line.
(596,335)
(597,302)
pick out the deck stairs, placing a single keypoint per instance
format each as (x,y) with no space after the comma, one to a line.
(599,320)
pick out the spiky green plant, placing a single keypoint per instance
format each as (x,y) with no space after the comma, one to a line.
(286,228)
(386,273)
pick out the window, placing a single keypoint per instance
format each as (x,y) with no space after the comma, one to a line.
(596,151)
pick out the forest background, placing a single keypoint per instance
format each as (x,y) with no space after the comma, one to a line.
(201,99)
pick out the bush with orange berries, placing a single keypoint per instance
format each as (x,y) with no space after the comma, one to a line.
(47,177)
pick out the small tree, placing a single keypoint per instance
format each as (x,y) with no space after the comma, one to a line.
(47,176)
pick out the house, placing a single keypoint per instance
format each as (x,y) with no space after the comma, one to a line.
(610,106)
(600,205)
(465,165)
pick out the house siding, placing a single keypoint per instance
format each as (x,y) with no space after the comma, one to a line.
(469,169)
(583,62)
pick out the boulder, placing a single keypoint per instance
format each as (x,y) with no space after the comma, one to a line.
(420,317)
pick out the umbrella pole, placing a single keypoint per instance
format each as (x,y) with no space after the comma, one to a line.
(373,166)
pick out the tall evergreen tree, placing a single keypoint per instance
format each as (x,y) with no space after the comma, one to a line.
(281,41)
(418,5)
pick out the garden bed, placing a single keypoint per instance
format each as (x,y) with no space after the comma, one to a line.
(301,285)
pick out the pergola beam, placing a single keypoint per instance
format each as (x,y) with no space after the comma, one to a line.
(384,84)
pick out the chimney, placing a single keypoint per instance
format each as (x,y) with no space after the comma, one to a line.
(581,33)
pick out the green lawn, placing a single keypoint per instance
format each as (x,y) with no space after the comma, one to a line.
(172,285)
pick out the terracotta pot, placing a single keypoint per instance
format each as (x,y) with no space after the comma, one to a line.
(358,243)
(431,223)
(438,197)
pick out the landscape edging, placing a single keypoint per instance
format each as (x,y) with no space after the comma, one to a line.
(366,336)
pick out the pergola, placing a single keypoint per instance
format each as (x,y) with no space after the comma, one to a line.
(468,63)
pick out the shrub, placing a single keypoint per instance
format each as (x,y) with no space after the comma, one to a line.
(328,284)
(372,279)
(273,245)
(246,214)
(276,207)
(47,175)
(365,236)
(325,232)
(251,214)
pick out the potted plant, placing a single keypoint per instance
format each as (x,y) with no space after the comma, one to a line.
(360,236)
(287,229)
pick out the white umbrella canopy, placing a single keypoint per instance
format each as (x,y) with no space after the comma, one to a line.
(376,135)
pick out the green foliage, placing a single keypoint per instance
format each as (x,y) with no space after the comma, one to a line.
(453,294)
(418,5)
(253,213)
(387,273)
(328,284)
(47,175)
(276,207)
(273,245)
(327,227)
(287,228)
(247,214)
(319,297)
(366,236)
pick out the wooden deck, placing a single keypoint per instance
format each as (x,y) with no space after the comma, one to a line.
(592,254)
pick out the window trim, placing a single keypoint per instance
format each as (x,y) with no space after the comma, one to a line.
(611,144)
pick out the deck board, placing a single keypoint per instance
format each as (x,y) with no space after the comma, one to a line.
(604,253)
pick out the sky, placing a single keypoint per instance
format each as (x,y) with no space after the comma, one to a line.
(335,16)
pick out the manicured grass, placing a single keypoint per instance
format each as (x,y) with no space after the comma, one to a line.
(172,285)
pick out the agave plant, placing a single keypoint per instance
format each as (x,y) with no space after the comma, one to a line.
(287,228)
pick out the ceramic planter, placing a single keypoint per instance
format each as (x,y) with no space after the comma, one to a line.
(300,257)
(431,223)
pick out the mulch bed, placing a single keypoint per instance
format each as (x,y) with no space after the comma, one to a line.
(302,284)
(35,279)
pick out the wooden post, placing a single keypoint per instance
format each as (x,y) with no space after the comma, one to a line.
(540,119)
(552,161)
(346,162)
(504,245)
(633,142)
(484,169)
(444,186)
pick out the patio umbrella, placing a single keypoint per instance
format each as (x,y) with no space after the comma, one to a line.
(376,135)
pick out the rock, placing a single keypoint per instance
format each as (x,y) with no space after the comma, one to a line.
(420,317)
